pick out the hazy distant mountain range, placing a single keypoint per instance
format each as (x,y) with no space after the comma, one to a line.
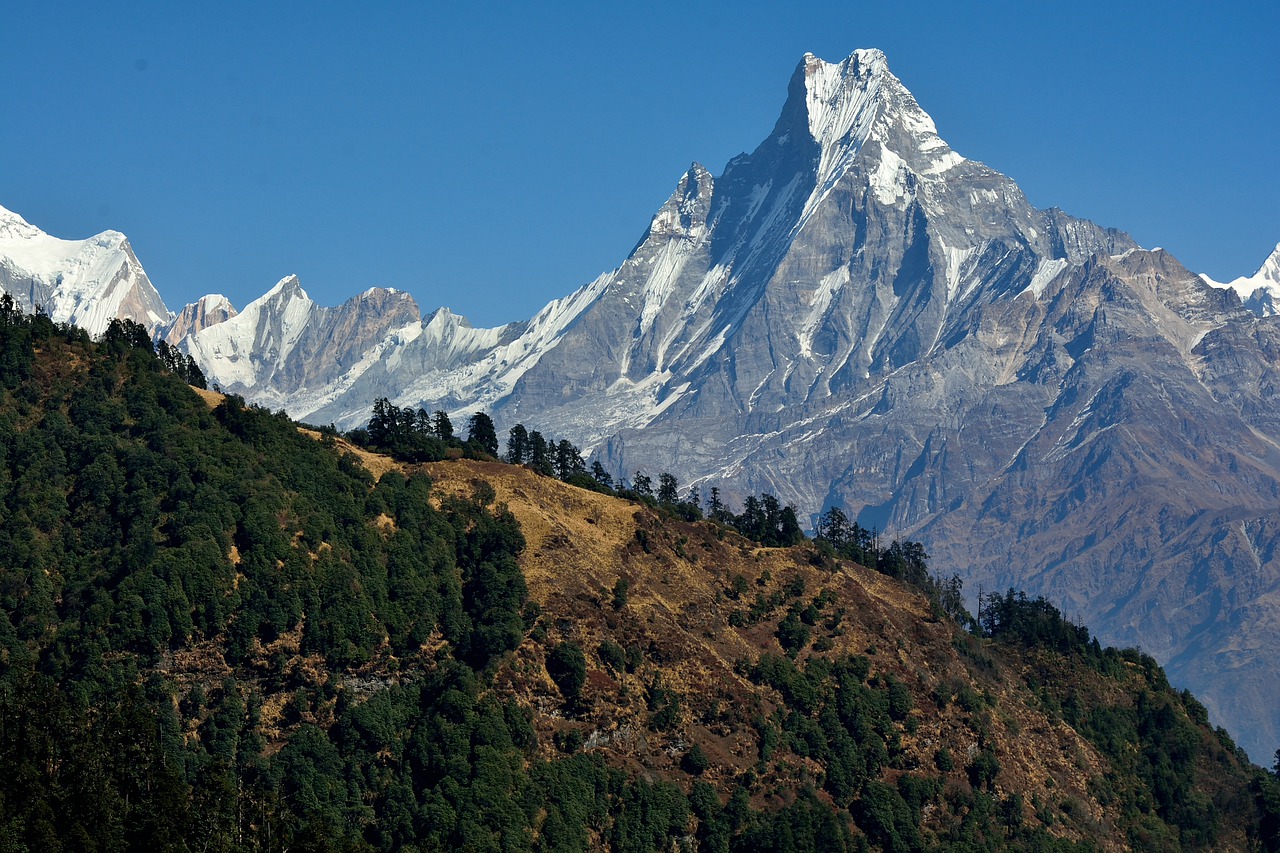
(853,314)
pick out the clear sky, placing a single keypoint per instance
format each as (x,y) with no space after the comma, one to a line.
(494,156)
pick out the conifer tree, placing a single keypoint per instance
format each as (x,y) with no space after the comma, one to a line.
(443,428)
(642,485)
(539,457)
(668,489)
(481,432)
(600,475)
(517,445)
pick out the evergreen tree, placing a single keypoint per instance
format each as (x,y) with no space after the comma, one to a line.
(481,432)
(716,508)
(517,445)
(600,475)
(668,489)
(568,460)
(381,423)
(540,456)
(444,429)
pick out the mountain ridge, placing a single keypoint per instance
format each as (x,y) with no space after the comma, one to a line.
(854,315)
(220,625)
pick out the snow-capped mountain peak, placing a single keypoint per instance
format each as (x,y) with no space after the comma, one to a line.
(684,212)
(848,104)
(286,288)
(208,310)
(1269,272)
(86,282)
(841,98)
(14,227)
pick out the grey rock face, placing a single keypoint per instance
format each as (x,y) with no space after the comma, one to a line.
(205,312)
(284,351)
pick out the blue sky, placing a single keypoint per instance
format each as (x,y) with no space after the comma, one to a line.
(494,156)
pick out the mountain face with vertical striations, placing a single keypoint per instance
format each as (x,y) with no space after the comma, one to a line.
(855,315)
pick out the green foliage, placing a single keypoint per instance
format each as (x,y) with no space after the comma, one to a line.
(135,521)
(567,666)
(612,656)
(793,634)
(405,434)
(884,815)
(482,434)
(1031,622)
(767,521)
(834,717)
(620,590)
(664,706)
(983,769)
(807,824)
(138,528)
(695,761)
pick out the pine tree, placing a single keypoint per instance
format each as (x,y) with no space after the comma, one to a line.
(381,422)
(481,432)
(568,460)
(517,445)
(600,475)
(668,489)
(539,457)
(443,427)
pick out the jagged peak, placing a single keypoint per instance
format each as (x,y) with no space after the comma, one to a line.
(286,292)
(211,301)
(686,209)
(840,99)
(1266,279)
(844,105)
(1270,269)
(289,286)
(442,317)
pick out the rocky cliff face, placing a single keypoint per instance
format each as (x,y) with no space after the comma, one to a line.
(204,312)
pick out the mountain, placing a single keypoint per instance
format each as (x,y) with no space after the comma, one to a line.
(86,282)
(855,315)
(219,631)
(1260,291)
(204,312)
(283,350)
(849,242)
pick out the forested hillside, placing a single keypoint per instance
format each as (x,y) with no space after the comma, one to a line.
(218,632)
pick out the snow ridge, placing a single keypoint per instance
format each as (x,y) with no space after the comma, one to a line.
(85,282)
